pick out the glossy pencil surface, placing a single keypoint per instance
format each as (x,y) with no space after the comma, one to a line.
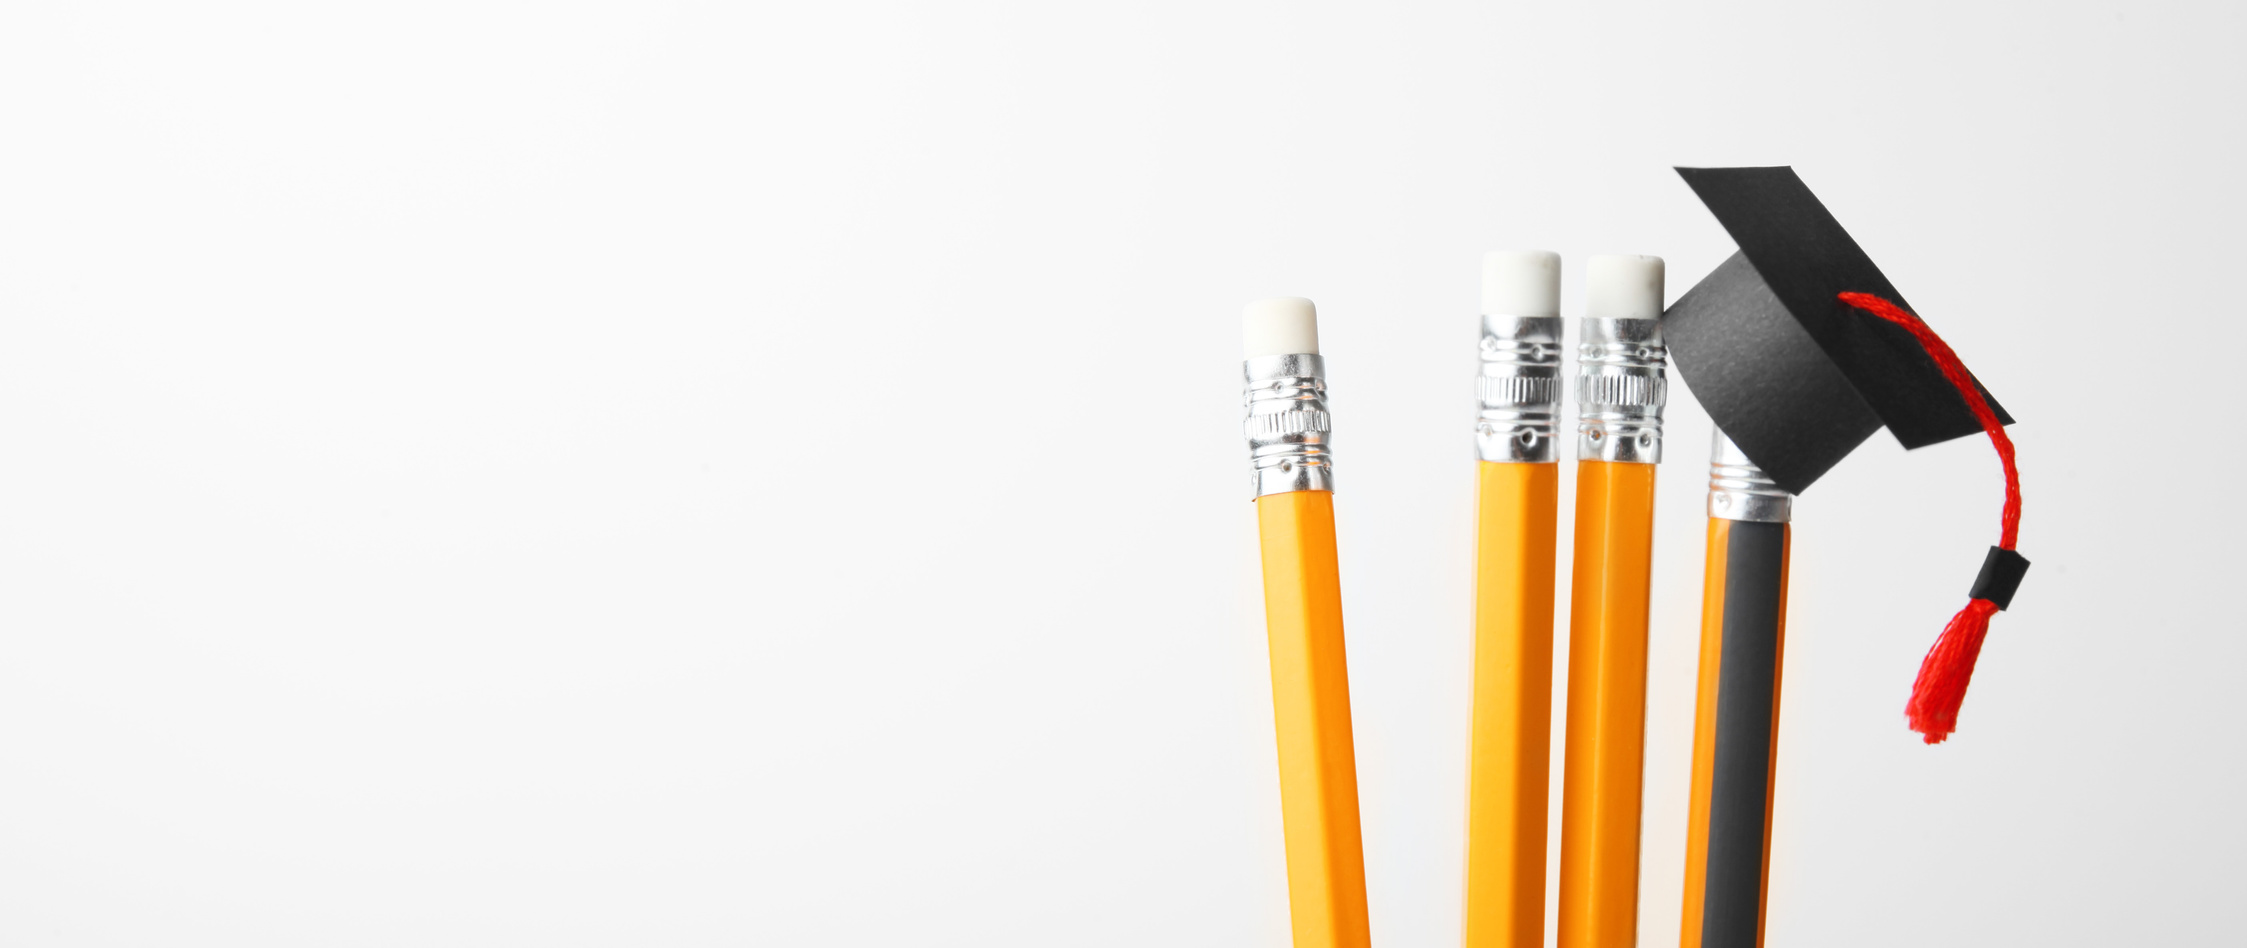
(1606,736)
(1508,765)
(1735,735)
(1311,704)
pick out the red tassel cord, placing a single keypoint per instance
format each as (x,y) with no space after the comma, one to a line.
(1941,686)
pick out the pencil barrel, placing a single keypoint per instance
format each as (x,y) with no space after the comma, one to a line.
(1604,760)
(1508,763)
(1736,726)
(1311,710)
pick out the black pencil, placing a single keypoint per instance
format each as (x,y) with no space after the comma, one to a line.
(1736,715)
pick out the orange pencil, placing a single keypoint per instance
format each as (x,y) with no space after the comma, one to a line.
(1620,393)
(1288,429)
(1516,506)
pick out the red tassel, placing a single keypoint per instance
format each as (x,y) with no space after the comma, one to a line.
(1944,673)
(1941,688)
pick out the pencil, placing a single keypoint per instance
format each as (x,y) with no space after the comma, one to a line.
(1288,428)
(1736,711)
(1516,501)
(1620,394)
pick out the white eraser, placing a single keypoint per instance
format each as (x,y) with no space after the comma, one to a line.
(1282,325)
(1521,283)
(1623,286)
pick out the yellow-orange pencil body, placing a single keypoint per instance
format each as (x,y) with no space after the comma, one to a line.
(1288,429)
(1620,391)
(1736,709)
(1600,783)
(1311,704)
(1508,763)
(1516,506)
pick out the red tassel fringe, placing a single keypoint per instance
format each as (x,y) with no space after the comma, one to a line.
(1944,673)
(1941,688)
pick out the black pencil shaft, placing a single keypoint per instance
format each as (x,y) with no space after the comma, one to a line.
(1745,729)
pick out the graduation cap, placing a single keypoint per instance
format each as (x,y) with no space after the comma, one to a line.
(1800,349)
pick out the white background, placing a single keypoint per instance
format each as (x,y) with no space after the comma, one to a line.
(707,474)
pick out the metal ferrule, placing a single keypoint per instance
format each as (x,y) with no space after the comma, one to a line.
(1739,490)
(1288,427)
(1520,389)
(1620,390)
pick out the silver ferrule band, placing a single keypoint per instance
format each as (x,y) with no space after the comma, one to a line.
(1739,490)
(1620,390)
(1520,390)
(1288,427)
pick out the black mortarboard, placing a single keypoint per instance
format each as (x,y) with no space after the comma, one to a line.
(1789,372)
(1800,349)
